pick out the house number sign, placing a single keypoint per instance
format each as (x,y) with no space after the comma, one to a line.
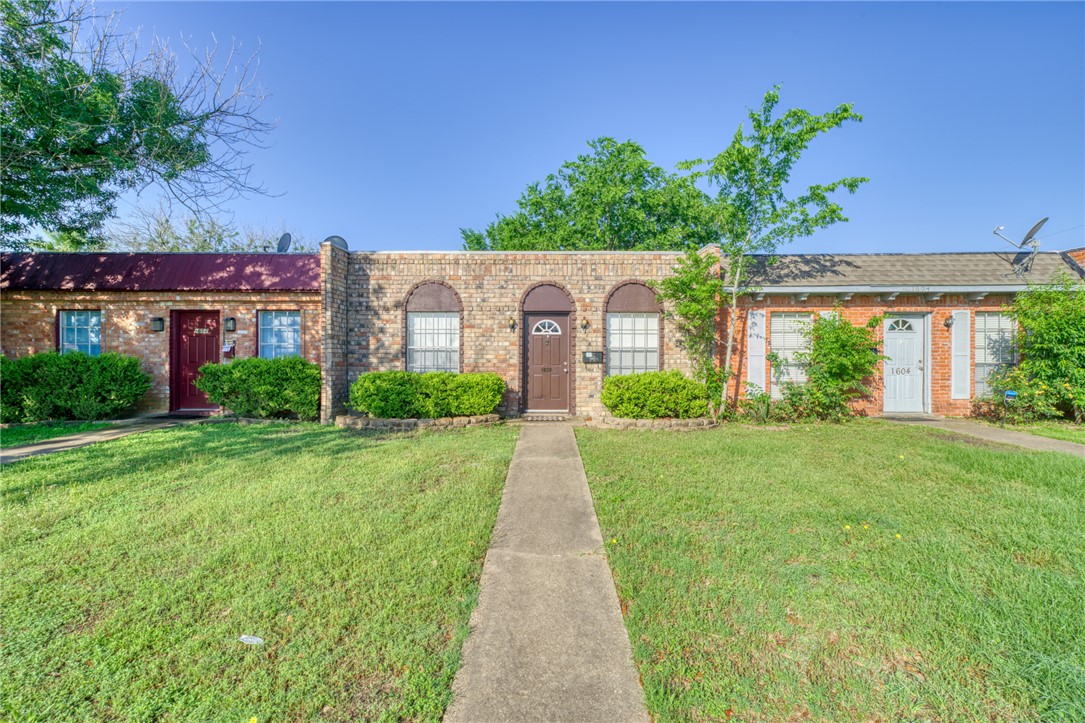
(201,331)
(901,371)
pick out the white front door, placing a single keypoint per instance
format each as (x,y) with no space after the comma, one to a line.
(904,369)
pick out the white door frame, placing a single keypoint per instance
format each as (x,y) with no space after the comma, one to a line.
(925,356)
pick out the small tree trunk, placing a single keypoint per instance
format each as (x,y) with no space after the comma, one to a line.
(735,273)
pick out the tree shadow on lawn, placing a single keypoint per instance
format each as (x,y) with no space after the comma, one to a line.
(199,444)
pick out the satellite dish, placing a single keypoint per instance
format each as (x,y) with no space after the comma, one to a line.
(1023,263)
(337,241)
(1035,230)
(284,243)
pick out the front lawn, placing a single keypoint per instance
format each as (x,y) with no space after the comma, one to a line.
(30,433)
(131,569)
(865,571)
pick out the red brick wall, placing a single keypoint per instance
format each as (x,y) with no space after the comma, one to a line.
(859,310)
(28,324)
(1077,255)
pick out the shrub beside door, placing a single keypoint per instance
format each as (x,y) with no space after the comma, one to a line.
(73,385)
(266,388)
(430,395)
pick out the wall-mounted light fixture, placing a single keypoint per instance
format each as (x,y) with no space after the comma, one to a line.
(948,323)
(585,325)
(158,324)
(512,324)
(231,324)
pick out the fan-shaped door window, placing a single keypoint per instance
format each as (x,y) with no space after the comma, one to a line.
(546,326)
(900,325)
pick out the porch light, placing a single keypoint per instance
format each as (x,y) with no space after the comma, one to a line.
(158,324)
(231,324)
(585,325)
(512,324)
(948,323)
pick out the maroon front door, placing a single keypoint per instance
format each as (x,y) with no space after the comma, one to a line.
(547,365)
(195,343)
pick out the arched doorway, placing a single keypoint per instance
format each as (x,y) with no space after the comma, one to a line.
(547,349)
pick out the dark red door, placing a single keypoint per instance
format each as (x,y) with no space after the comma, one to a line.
(195,343)
(547,347)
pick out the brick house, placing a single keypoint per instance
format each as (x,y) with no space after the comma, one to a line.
(552,324)
(175,311)
(945,326)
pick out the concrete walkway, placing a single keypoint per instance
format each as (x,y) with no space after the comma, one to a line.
(997,434)
(547,639)
(82,439)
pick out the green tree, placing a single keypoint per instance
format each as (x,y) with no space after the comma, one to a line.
(752,207)
(611,199)
(156,231)
(692,293)
(83,119)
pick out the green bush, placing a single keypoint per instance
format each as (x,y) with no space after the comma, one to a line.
(655,395)
(1050,378)
(69,386)
(432,395)
(266,388)
(841,359)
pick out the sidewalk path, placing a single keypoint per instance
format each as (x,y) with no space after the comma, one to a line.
(547,639)
(997,434)
(82,439)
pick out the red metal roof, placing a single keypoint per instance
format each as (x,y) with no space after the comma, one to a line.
(160,272)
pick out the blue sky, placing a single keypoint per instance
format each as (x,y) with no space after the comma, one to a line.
(400,123)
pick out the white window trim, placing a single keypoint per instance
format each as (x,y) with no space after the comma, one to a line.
(262,327)
(794,371)
(983,367)
(449,351)
(645,344)
(62,317)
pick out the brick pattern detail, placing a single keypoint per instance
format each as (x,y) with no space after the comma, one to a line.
(333,310)
(29,324)
(491,287)
(859,310)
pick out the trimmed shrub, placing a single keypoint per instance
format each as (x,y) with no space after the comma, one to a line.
(266,388)
(655,395)
(432,395)
(69,386)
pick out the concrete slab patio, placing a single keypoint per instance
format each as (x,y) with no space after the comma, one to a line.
(997,434)
(547,639)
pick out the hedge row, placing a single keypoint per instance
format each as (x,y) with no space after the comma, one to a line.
(432,395)
(69,386)
(655,395)
(266,388)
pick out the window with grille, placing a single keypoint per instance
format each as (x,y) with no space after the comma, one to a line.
(632,343)
(788,337)
(433,341)
(81,331)
(994,347)
(280,334)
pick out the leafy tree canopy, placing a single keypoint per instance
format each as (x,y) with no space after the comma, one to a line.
(610,199)
(83,120)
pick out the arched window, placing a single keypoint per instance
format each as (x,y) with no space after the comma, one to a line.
(633,329)
(433,328)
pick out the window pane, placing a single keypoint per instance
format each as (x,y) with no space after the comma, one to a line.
(632,343)
(280,334)
(433,341)
(786,339)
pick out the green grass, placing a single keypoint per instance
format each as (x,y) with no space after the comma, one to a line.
(30,433)
(1066,431)
(762,576)
(131,568)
